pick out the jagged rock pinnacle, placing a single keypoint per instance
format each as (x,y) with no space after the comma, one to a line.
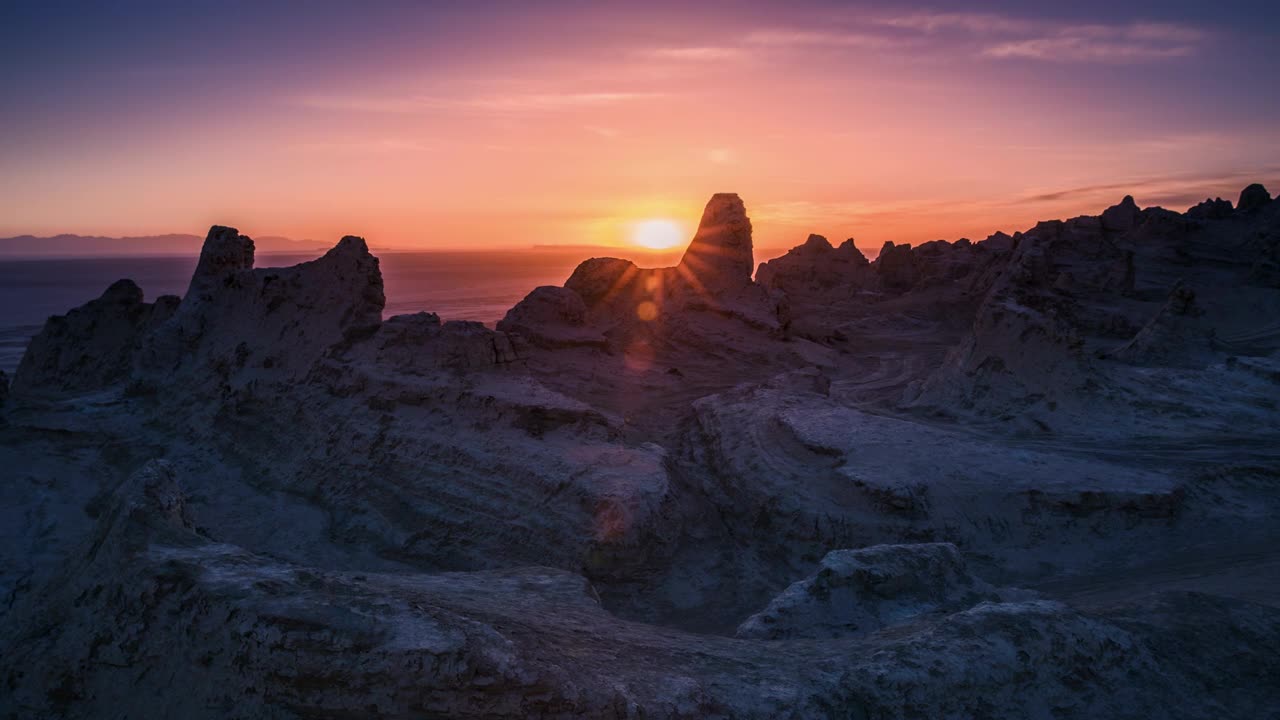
(719,258)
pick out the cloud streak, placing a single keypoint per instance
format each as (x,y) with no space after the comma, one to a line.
(497,103)
(965,34)
(1137,42)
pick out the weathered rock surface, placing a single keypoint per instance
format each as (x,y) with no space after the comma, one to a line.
(421,344)
(240,633)
(1175,336)
(569,516)
(857,592)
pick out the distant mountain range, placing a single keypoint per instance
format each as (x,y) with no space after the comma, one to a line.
(94,245)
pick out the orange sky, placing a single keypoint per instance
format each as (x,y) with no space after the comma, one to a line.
(460,132)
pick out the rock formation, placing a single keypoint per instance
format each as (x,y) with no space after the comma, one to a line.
(93,345)
(856,592)
(1216,209)
(238,325)
(552,317)
(1175,336)
(1253,198)
(719,259)
(1012,478)
(815,270)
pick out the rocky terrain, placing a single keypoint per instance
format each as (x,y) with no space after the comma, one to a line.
(1032,476)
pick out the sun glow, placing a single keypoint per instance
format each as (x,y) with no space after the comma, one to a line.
(658,234)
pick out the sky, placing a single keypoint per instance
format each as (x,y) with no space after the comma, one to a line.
(489,125)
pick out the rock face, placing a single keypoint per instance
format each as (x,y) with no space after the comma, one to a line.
(719,259)
(238,324)
(4,386)
(856,592)
(1253,198)
(93,345)
(1026,347)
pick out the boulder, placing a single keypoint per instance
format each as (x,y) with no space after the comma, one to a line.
(856,592)
(551,317)
(600,279)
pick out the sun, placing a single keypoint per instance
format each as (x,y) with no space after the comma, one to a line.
(657,234)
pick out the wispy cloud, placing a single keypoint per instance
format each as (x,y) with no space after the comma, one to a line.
(985,35)
(812,38)
(931,22)
(364,146)
(1176,192)
(1136,42)
(498,103)
(695,53)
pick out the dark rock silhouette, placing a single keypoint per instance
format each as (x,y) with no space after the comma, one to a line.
(1216,209)
(93,345)
(1253,198)
(1121,218)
